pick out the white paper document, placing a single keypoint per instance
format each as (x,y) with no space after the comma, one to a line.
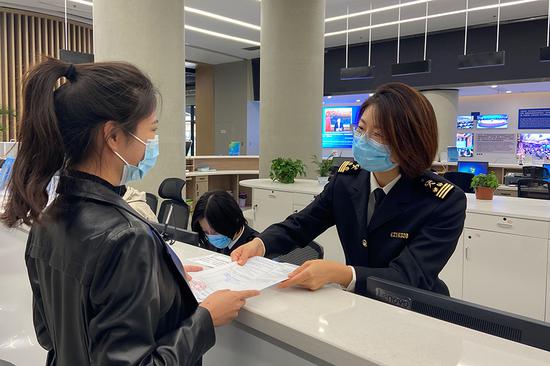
(257,274)
(211,260)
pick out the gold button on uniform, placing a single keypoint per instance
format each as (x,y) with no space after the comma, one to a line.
(365,243)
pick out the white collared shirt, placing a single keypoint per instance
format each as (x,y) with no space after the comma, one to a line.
(373,185)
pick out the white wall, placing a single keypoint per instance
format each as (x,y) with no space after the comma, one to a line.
(503,104)
(253,127)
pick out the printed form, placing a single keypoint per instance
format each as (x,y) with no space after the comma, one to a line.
(257,274)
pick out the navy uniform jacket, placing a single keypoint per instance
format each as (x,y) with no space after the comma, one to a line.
(410,238)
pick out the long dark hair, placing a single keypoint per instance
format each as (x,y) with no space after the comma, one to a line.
(59,126)
(221,211)
(408,124)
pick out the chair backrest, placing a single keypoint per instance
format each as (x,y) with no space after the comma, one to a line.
(173,210)
(174,213)
(6,363)
(300,255)
(534,188)
(152,201)
(535,172)
(461,180)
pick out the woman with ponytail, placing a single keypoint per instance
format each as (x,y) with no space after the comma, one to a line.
(107,290)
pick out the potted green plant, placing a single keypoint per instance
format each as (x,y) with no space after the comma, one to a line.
(485,185)
(323,170)
(285,170)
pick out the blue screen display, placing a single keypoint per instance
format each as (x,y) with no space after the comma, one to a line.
(492,121)
(474,167)
(338,126)
(547,166)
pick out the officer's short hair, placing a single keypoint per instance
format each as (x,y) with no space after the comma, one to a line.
(408,125)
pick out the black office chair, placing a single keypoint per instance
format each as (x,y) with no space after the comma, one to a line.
(152,201)
(173,210)
(300,255)
(534,188)
(535,172)
(461,180)
(6,363)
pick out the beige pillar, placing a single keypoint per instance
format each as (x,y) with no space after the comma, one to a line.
(150,36)
(291,81)
(445,104)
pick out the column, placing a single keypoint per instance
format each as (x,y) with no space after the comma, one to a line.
(291,81)
(150,36)
(445,104)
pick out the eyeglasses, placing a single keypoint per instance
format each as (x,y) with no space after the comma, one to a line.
(376,135)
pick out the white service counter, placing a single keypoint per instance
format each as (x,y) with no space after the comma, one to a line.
(287,327)
(501,260)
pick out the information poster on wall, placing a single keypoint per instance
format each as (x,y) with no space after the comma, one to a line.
(534,119)
(502,143)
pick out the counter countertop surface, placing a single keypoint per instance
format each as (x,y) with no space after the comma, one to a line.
(346,329)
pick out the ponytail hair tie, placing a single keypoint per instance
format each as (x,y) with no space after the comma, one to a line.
(70,74)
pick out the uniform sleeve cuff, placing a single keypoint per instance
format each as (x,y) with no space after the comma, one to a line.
(351,286)
(263,246)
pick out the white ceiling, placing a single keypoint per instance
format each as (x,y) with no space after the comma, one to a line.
(209,49)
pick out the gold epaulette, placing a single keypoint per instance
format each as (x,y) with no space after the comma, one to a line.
(439,189)
(349,167)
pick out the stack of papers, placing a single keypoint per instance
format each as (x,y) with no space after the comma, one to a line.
(257,274)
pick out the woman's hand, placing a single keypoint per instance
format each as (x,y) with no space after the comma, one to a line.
(224,305)
(191,268)
(315,274)
(253,248)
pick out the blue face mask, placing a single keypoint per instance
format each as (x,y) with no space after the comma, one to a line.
(219,241)
(372,155)
(132,172)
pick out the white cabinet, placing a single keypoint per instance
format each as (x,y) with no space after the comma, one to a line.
(506,271)
(272,206)
(269,207)
(452,272)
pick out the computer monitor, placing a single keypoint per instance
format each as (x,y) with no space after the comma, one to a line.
(474,167)
(499,323)
(171,232)
(547,166)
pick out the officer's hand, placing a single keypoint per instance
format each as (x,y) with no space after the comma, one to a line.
(224,305)
(191,268)
(253,248)
(315,274)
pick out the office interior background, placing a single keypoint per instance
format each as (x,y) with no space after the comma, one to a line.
(242,86)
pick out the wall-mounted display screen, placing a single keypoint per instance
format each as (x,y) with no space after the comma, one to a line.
(338,126)
(492,121)
(464,122)
(536,145)
(465,144)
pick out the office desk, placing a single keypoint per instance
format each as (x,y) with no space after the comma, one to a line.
(287,327)
(331,326)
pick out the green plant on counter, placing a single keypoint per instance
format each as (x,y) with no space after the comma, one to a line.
(324,165)
(5,112)
(485,180)
(285,170)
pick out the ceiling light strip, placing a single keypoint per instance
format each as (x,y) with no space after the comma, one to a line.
(83,2)
(221,35)
(377,10)
(221,18)
(432,16)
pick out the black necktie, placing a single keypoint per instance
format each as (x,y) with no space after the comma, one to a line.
(378,197)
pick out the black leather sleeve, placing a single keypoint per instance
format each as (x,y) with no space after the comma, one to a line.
(301,228)
(125,293)
(420,262)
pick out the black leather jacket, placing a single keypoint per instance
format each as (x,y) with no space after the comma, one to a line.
(106,290)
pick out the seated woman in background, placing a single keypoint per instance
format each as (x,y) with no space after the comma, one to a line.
(220,223)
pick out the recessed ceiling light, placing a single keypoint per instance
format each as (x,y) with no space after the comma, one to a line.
(83,2)
(221,18)
(377,10)
(494,86)
(329,97)
(221,35)
(508,92)
(371,94)
(358,100)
